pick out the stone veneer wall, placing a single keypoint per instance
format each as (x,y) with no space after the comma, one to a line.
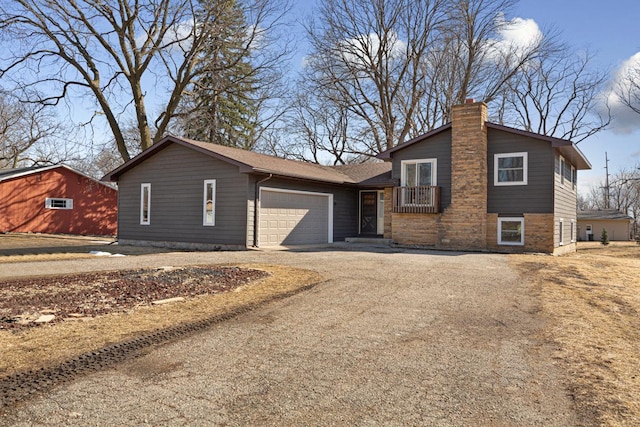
(537,234)
(388,209)
(415,228)
(464,223)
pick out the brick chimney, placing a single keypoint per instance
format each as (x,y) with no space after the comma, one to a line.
(464,223)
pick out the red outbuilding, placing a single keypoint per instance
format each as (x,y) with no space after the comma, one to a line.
(56,199)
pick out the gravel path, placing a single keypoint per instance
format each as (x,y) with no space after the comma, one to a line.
(392,338)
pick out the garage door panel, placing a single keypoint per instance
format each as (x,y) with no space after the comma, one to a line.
(293,218)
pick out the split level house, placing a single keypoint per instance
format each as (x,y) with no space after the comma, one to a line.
(56,199)
(468,185)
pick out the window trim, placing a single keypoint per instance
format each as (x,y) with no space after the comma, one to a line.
(147,186)
(562,166)
(572,234)
(574,177)
(434,170)
(49,202)
(525,168)
(511,219)
(561,232)
(212,223)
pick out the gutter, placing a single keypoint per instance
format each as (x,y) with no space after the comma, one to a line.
(256,218)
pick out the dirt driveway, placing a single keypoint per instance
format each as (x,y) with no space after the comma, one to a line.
(391,338)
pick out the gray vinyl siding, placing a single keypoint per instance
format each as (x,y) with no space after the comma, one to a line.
(345,203)
(177,175)
(537,195)
(565,206)
(437,147)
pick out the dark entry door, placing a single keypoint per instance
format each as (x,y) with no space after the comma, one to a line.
(368,212)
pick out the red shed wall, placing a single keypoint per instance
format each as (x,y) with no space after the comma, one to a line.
(22,204)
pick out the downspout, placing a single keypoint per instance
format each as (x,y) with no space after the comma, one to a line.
(256,218)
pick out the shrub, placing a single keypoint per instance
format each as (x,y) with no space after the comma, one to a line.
(604,237)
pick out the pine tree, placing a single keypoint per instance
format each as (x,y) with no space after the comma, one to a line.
(604,237)
(221,108)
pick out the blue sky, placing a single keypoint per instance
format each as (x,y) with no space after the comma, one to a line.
(611,32)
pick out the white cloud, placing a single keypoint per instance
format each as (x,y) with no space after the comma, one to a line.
(624,120)
(361,49)
(517,35)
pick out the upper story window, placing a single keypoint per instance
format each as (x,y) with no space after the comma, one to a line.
(145,204)
(209,202)
(417,180)
(567,173)
(510,169)
(419,173)
(57,203)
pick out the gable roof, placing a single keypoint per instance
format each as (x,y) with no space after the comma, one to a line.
(6,174)
(603,214)
(567,148)
(252,162)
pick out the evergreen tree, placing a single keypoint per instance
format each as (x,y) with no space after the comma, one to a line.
(220,107)
(604,237)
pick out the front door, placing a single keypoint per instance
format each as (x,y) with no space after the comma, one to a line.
(369,212)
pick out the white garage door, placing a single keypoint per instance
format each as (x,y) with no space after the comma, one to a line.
(293,217)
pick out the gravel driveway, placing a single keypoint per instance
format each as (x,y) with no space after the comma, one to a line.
(391,338)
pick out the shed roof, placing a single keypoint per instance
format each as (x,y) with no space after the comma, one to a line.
(607,214)
(252,162)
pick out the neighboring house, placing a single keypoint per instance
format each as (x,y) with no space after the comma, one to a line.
(477,185)
(591,223)
(468,185)
(56,199)
(185,193)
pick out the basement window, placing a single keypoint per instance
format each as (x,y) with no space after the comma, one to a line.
(58,203)
(511,231)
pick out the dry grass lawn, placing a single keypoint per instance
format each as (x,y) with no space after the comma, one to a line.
(592,301)
(50,345)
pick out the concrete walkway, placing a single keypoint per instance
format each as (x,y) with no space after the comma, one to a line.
(392,338)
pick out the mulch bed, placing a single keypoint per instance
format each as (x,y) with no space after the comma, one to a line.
(88,295)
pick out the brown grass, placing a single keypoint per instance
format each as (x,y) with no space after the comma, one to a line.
(48,346)
(592,299)
(43,257)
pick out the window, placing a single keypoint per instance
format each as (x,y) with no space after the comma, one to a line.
(511,231)
(561,232)
(417,173)
(209,202)
(574,177)
(510,169)
(573,231)
(54,203)
(145,204)
(562,168)
(417,176)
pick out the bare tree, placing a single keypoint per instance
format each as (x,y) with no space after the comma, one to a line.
(398,66)
(628,88)
(557,94)
(622,195)
(29,135)
(118,51)
(364,56)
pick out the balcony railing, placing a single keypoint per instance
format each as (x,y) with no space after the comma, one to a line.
(421,199)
